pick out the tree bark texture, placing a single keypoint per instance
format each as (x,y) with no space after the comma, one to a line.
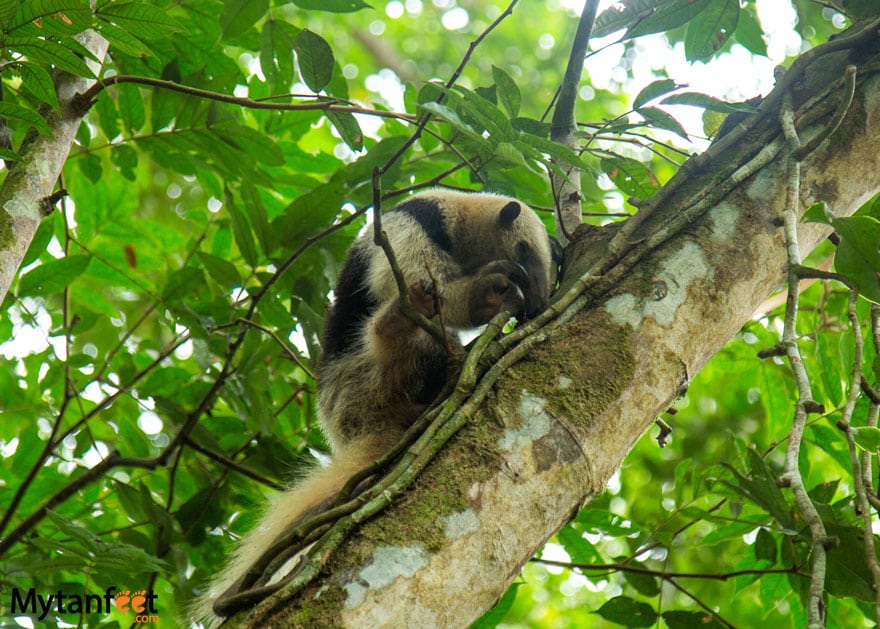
(31,180)
(559,424)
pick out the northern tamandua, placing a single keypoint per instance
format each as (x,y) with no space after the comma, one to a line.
(466,255)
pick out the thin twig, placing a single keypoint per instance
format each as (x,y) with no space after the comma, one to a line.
(563,127)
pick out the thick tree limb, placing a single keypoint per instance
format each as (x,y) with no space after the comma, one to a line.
(32,180)
(557,426)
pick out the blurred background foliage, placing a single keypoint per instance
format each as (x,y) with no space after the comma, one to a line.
(160,342)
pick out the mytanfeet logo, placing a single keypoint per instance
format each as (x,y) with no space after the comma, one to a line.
(141,604)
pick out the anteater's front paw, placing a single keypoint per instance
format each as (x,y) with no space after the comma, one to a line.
(497,288)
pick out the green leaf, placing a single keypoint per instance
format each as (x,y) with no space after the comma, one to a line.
(765,546)
(676,619)
(222,271)
(652,91)
(8,9)
(628,612)
(36,81)
(131,108)
(347,126)
(660,119)
(819,213)
(848,572)
(16,113)
(31,10)
(579,549)
(858,256)
(241,230)
(125,159)
(53,276)
(85,538)
(238,16)
(121,40)
(867,437)
(644,584)
(507,91)
(332,6)
(315,57)
(707,102)
(643,17)
(40,240)
(47,52)
(494,616)
(749,32)
(141,20)
(184,284)
(631,176)
(709,31)
(276,55)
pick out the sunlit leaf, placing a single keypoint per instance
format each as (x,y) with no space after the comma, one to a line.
(54,276)
(710,29)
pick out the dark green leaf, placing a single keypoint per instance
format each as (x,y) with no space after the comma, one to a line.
(16,115)
(315,57)
(333,6)
(652,91)
(710,29)
(579,549)
(628,612)
(858,256)
(644,584)
(631,176)
(507,91)
(81,535)
(121,40)
(184,284)
(765,546)
(707,102)
(241,230)
(54,276)
(222,271)
(676,619)
(8,9)
(662,120)
(131,108)
(50,53)
(32,10)
(238,16)
(125,159)
(347,126)
(90,165)
(848,572)
(141,20)
(40,241)
(643,17)
(276,55)
(36,81)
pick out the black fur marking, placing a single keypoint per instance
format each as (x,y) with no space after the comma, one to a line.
(352,305)
(429,215)
(432,367)
(509,213)
(537,290)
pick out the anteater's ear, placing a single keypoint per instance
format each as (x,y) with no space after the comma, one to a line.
(509,213)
